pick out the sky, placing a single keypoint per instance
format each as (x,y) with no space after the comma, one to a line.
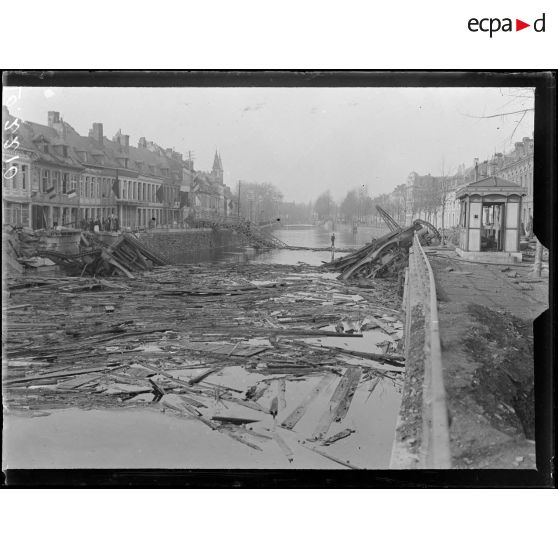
(303,140)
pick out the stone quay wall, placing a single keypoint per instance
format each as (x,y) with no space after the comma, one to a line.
(179,244)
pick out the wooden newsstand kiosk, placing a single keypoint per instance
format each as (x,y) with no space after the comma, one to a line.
(489,220)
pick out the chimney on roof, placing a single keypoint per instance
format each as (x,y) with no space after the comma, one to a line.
(53,118)
(142,143)
(96,132)
(168,152)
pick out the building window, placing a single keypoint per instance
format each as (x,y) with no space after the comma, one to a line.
(45,180)
(65,182)
(56,181)
(24,176)
(87,187)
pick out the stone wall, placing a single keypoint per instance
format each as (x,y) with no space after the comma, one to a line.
(179,246)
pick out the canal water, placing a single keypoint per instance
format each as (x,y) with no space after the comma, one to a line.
(145,438)
(315,237)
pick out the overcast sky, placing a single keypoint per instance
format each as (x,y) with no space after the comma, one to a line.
(304,140)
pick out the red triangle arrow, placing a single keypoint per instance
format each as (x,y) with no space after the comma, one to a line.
(519,25)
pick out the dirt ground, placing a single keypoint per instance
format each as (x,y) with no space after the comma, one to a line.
(486,327)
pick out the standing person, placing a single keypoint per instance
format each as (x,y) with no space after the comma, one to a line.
(333,240)
(152,223)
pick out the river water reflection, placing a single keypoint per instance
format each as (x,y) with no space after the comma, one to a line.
(315,237)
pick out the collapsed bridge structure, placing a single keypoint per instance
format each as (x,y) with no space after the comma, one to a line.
(384,255)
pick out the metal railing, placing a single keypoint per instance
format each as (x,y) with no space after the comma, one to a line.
(435,433)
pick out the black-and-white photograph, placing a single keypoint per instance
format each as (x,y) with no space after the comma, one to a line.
(284,278)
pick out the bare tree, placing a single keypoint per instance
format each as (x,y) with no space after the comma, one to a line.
(522,107)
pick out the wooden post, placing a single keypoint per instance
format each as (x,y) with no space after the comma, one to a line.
(538,259)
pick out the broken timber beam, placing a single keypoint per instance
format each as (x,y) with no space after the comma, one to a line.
(339,403)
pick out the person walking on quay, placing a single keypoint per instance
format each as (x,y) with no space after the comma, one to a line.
(333,240)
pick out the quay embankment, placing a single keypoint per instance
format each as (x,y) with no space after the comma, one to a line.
(181,245)
(485,314)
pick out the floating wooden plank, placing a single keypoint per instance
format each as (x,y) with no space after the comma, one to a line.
(298,413)
(331,457)
(249,404)
(372,387)
(228,349)
(77,382)
(284,447)
(339,403)
(281,394)
(233,420)
(56,375)
(203,375)
(240,439)
(339,436)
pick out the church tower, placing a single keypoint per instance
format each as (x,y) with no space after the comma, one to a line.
(217,171)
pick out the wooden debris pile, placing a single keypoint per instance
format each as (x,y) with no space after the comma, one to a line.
(126,256)
(382,257)
(98,258)
(237,347)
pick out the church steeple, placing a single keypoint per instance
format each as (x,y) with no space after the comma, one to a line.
(217,167)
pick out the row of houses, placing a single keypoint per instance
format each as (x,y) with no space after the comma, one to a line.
(433,197)
(53,176)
